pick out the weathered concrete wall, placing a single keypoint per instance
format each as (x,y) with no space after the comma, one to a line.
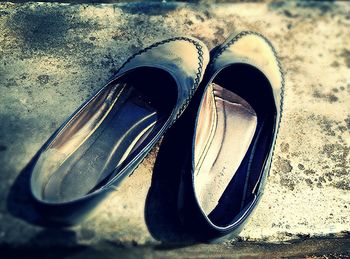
(54,56)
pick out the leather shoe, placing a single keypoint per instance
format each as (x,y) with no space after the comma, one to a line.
(234,131)
(105,139)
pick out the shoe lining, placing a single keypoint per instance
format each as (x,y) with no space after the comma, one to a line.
(100,139)
(239,142)
(225,129)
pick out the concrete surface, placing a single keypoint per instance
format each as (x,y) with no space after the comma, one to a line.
(309,248)
(54,56)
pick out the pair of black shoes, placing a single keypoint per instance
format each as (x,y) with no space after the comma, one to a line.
(232,124)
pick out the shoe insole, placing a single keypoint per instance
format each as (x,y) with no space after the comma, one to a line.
(101,143)
(225,129)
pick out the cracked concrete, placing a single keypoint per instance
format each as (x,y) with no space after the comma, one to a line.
(54,56)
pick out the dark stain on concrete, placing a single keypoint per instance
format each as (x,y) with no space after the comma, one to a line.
(43,29)
(288,182)
(323,6)
(43,79)
(277,4)
(309,182)
(189,22)
(336,152)
(341,172)
(200,17)
(343,185)
(284,7)
(284,147)
(290,14)
(284,168)
(309,172)
(40,28)
(283,165)
(11,82)
(321,179)
(150,9)
(335,64)
(329,176)
(326,125)
(346,55)
(329,97)
(347,121)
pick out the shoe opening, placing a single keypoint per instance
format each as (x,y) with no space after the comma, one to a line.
(104,135)
(234,132)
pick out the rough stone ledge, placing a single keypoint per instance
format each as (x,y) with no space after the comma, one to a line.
(54,56)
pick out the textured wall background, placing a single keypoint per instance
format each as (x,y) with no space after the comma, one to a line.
(54,56)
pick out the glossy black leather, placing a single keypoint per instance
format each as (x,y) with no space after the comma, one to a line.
(247,65)
(110,134)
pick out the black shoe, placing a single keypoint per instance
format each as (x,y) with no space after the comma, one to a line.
(234,132)
(110,134)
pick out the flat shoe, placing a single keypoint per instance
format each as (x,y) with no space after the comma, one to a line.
(234,134)
(105,139)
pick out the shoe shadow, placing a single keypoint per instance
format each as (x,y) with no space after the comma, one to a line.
(20,202)
(161,208)
(161,203)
